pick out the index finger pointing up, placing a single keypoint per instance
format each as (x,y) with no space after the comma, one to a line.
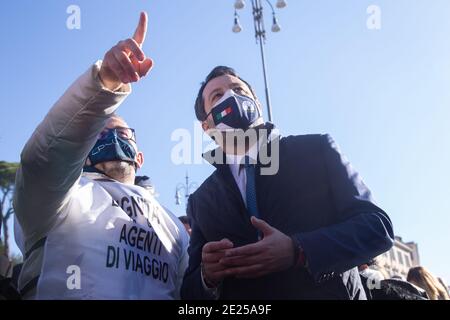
(141,29)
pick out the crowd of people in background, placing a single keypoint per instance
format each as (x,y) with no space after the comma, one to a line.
(435,288)
(420,284)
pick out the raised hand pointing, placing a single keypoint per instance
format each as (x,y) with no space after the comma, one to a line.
(126,62)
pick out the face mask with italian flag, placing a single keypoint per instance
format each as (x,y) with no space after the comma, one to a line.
(234,111)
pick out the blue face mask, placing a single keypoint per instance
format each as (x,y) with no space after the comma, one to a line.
(112,147)
(234,111)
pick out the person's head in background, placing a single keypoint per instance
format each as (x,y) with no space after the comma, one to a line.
(116,153)
(422,278)
(371,268)
(146,183)
(366,265)
(234,102)
(186,223)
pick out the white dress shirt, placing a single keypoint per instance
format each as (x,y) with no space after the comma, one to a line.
(238,172)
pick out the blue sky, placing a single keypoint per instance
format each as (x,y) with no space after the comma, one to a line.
(383,95)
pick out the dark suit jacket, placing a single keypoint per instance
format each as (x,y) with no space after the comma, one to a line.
(317,197)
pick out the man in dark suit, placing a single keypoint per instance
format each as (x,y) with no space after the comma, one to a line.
(279,218)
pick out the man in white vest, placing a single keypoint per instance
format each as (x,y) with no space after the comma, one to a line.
(86,230)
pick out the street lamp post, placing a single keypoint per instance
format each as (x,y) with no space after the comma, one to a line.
(260,35)
(186,188)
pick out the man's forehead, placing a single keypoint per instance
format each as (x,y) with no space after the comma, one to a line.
(116,122)
(222,81)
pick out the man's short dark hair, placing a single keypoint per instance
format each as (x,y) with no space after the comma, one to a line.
(218,71)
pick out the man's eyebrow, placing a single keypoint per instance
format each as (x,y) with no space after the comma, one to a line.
(213,92)
(240,85)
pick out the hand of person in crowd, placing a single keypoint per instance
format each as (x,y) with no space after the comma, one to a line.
(274,252)
(126,62)
(213,271)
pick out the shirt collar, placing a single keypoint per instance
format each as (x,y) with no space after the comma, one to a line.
(237,159)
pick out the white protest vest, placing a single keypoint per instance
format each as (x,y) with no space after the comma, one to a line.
(113,241)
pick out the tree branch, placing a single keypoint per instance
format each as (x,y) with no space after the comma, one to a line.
(9,213)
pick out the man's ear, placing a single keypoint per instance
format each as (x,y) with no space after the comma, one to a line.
(139,160)
(205,125)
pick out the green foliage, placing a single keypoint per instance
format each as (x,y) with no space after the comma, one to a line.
(7,177)
(7,174)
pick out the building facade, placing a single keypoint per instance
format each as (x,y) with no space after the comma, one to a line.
(398,260)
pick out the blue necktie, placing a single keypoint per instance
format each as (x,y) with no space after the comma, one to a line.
(252,206)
